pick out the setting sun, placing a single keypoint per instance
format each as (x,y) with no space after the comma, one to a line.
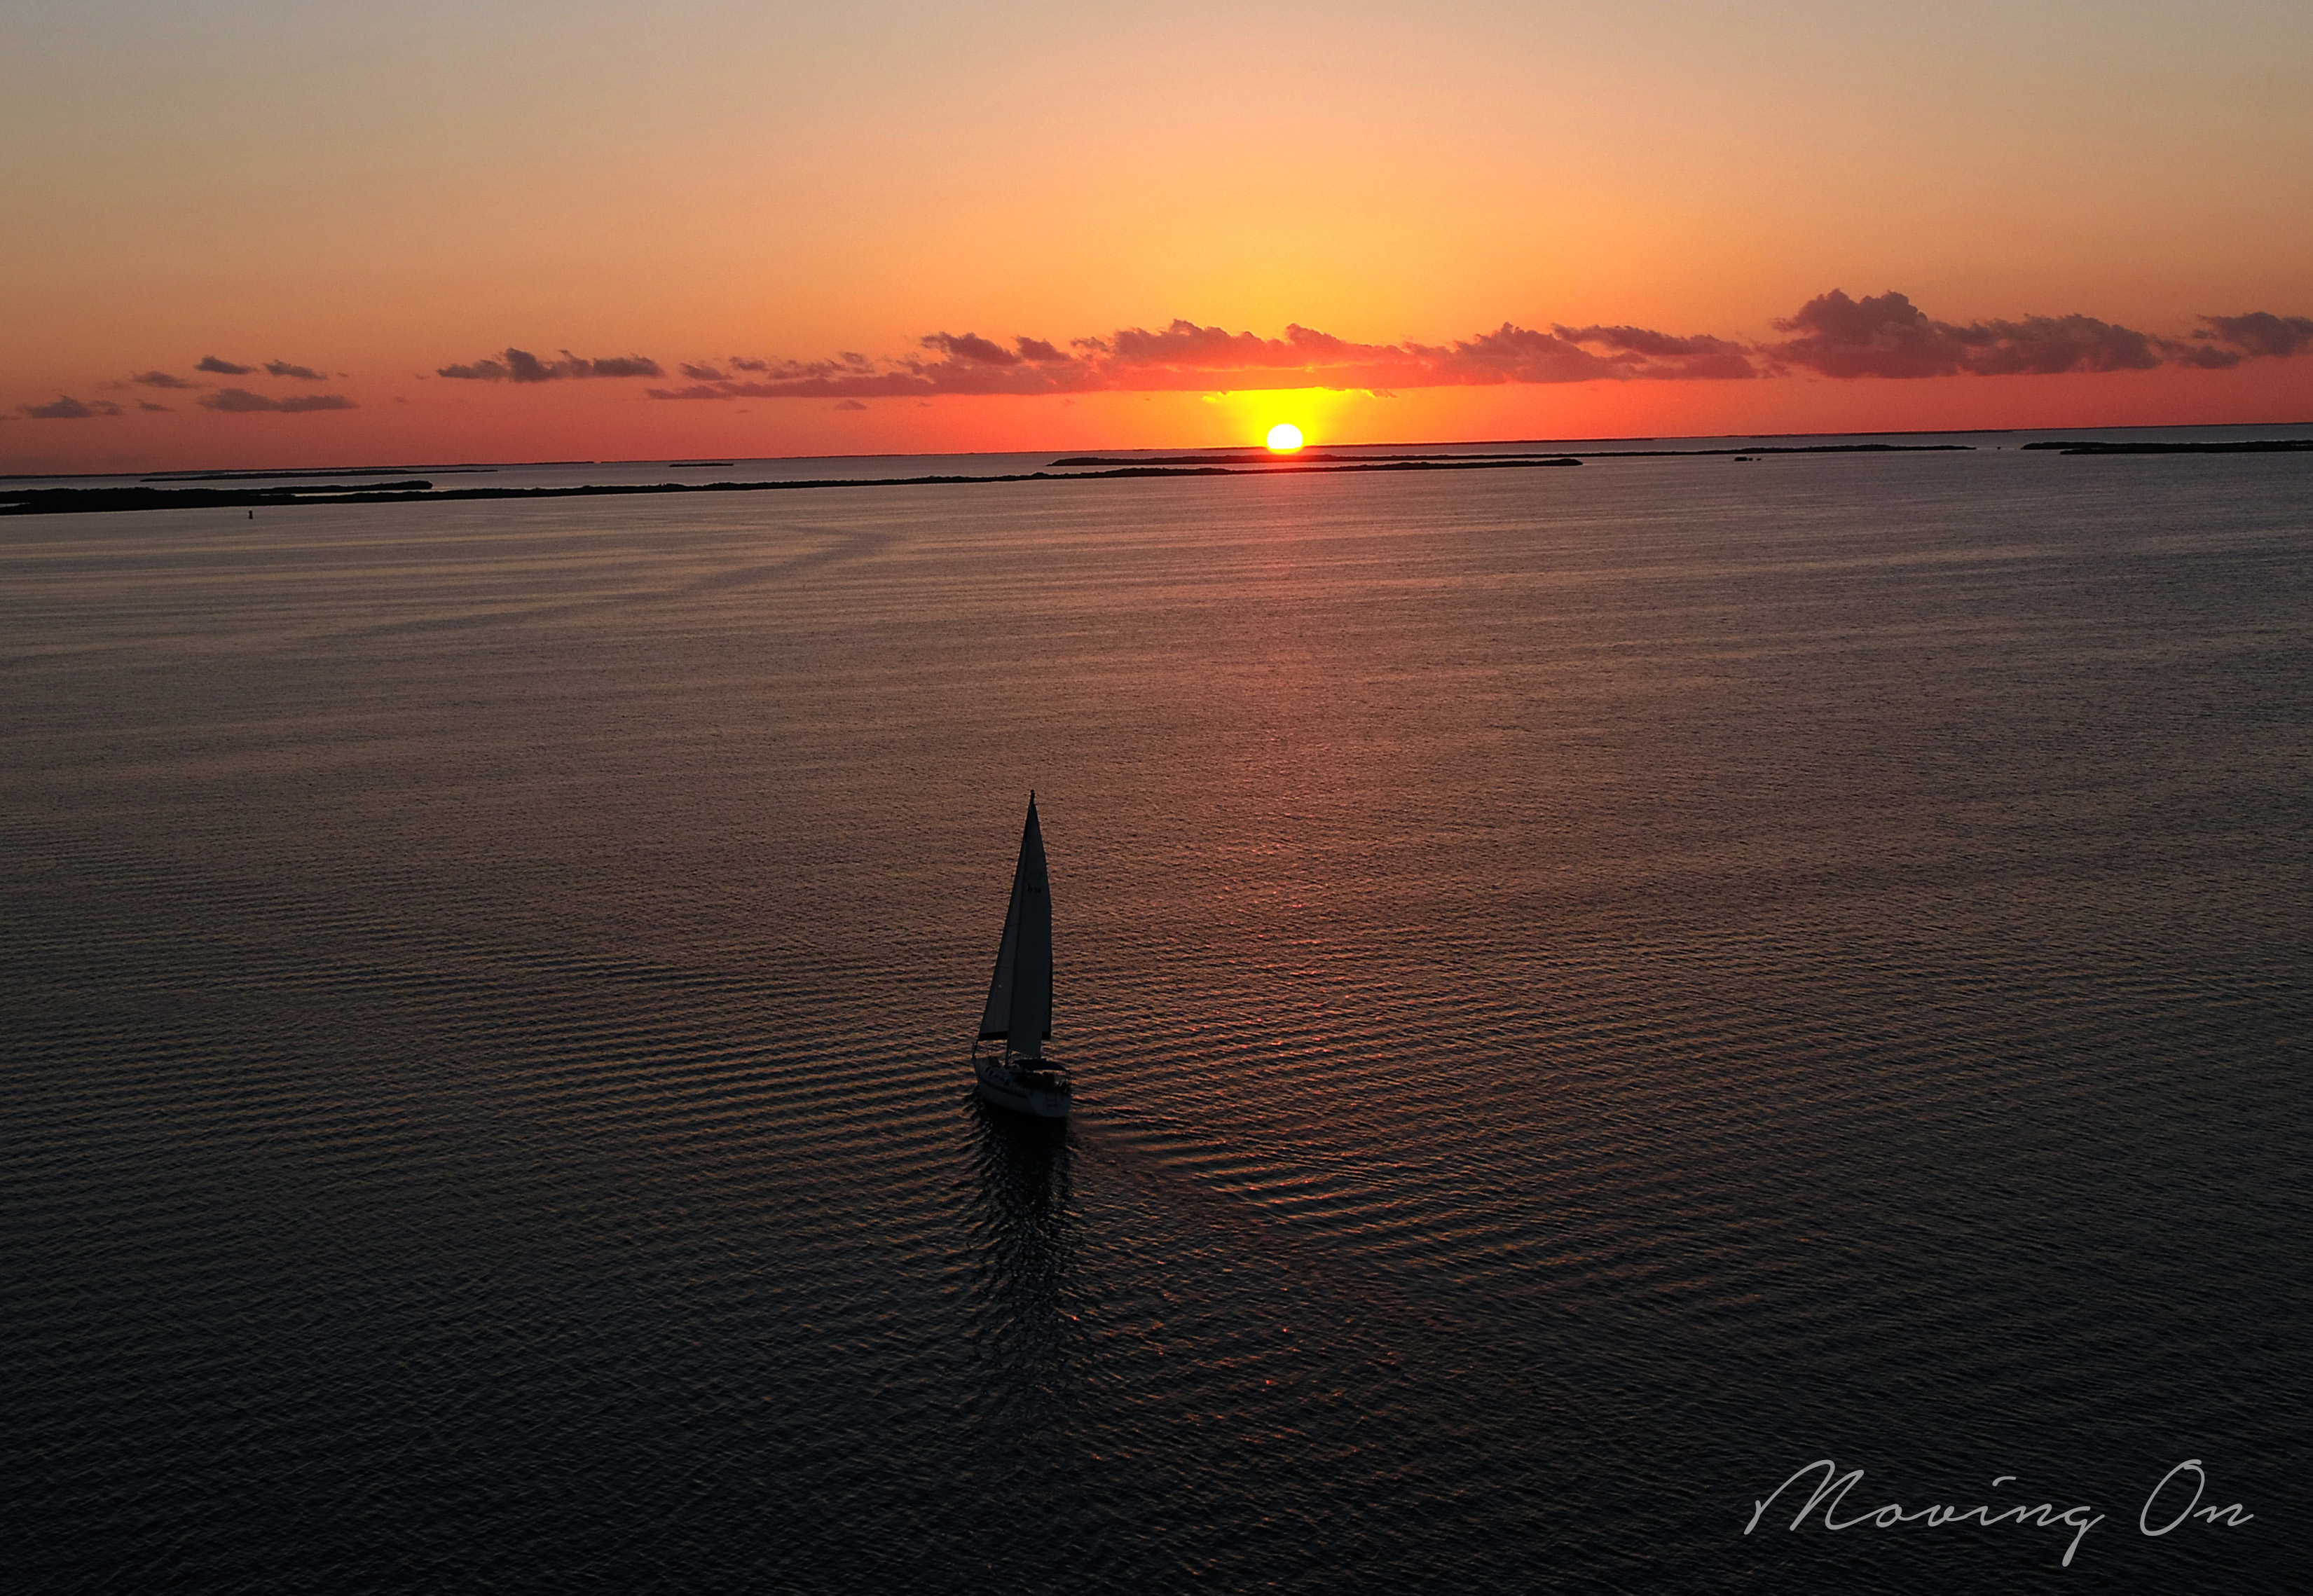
(1285,437)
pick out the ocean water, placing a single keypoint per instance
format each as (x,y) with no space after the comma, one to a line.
(1591,991)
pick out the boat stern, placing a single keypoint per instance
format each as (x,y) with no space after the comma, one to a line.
(1043,1093)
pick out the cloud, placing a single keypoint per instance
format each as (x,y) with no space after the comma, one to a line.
(485,371)
(1512,353)
(68,409)
(1887,336)
(1185,347)
(2205,356)
(1640,340)
(2047,346)
(970,347)
(848,405)
(1694,358)
(1185,358)
(149,405)
(2260,332)
(1830,336)
(520,365)
(239,400)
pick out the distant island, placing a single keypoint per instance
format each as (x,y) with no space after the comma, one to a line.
(70,501)
(1265,461)
(328,471)
(286,487)
(2250,446)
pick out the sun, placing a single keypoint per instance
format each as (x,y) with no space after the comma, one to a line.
(1284,438)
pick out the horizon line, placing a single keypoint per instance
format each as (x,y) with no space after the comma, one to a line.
(1254,447)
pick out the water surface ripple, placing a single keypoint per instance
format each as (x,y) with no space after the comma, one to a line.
(1590,990)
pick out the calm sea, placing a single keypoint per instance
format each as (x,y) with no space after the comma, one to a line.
(1591,990)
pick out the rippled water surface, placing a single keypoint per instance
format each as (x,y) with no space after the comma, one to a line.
(1590,989)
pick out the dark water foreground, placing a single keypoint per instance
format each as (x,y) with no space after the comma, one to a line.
(1591,990)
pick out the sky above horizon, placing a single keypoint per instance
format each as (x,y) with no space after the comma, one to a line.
(248,234)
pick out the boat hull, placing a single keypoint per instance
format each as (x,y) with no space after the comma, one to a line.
(1000,1084)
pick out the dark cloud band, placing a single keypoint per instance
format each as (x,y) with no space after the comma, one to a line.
(511,364)
(1885,335)
(241,401)
(68,409)
(1831,335)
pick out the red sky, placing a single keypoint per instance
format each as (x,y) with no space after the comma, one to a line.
(502,230)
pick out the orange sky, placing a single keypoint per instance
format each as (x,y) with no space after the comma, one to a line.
(380,197)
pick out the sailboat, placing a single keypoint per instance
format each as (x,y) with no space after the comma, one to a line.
(1019,1017)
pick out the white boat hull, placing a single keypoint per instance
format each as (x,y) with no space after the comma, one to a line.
(999,1084)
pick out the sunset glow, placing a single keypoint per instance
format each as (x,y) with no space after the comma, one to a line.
(1663,649)
(286,237)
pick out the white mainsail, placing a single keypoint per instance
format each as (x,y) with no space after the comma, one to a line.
(1020,996)
(996,1019)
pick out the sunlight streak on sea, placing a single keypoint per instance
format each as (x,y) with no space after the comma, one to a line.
(1589,990)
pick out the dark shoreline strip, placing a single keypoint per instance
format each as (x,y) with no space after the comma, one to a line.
(1260,460)
(68,501)
(2246,446)
(190,477)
